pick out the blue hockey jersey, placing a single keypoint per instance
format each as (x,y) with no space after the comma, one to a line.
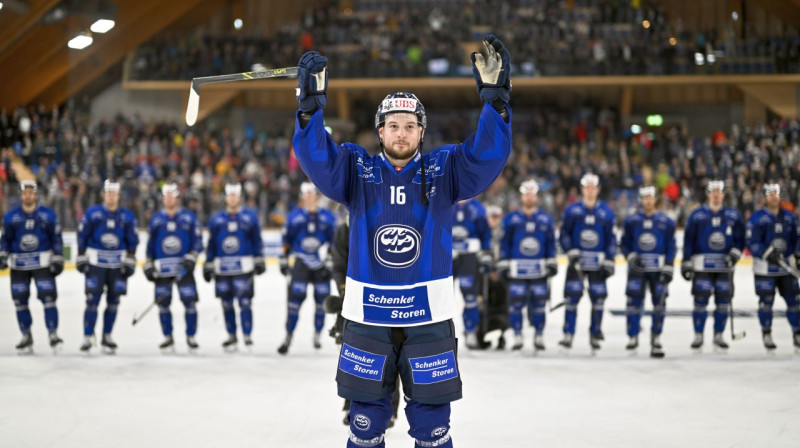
(309,235)
(528,244)
(651,237)
(106,236)
(709,236)
(781,231)
(30,240)
(590,232)
(471,231)
(400,264)
(234,242)
(170,238)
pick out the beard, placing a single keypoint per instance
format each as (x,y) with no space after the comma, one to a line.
(401,153)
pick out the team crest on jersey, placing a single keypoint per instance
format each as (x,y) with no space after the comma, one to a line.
(171,245)
(647,241)
(397,246)
(109,241)
(716,241)
(589,238)
(29,243)
(230,244)
(310,244)
(529,246)
(460,233)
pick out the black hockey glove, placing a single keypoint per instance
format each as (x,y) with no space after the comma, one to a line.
(283,263)
(503,268)
(259,266)
(772,255)
(189,262)
(608,269)
(312,82)
(574,257)
(150,270)
(82,263)
(208,271)
(56,265)
(667,272)
(687,271)
(732,257)
(635,262)
(552,267)
(128,265)
(492,71)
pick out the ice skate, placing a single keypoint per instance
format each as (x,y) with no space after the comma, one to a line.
(55,341)
(697,343)
(656,350)
(594,341)
(517,342)
(284,348)
(230,344)
(88,342)
(25,346)
(192,343)
(797,342)
(719,343)
(633,343)
(248,340)
(108,344)
(317,341)
(769,344)
(501,343)
(168,344)
(538,342)
(567,341)
(472,340)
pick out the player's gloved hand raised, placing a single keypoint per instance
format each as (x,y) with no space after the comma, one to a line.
(772,255)
(283,263)
(667,272)
(635,262)
(492,71)
(312,81)
(189,262)
(552,268)
(128,265)
(82,263)
(259,265)
(608,268)
(150,270)
(208,271)
(732,257)
(574,257)
(485,263)
(56,265)
(687,271)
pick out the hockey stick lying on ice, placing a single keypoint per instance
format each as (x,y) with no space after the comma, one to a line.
(193,107)
(782,263)
(176,279)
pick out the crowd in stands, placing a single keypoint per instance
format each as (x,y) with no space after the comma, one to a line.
(70,158)
(546,38)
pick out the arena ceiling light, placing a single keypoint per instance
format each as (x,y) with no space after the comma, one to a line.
(102,26)
(80,41)
(1,5)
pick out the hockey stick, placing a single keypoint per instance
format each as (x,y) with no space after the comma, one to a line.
(193,107)
(734,335)
(782,263)
(176,279)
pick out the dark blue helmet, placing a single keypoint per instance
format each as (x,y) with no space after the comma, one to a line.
(401,102)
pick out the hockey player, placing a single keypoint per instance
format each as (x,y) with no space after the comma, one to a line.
(587,237)
(528,258)
(308,234)
(772,238)
(107,243)
(712,245)
(648,243)
(399,302)
(233,255)
(172,247)
(472,258)
(31,246)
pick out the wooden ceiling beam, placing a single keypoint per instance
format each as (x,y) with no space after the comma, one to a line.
(17,27)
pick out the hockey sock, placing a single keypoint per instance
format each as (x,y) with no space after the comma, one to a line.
(633,315)
(597,315)
(230,315)
(319,315)
(24,317)
(429,424)
(293,309)
(471,313)
(699,314)
(765,311)
(191,319)
(50,314)
(246,315)
(165,316)
(721,316)
(536,314)
(515,315)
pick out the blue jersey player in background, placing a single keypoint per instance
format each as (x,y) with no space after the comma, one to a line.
(472,244)
(399,301)
(107,243)
(174,241)
(233,255)
(587,237)
(712,244)
(31,246)
(308,234)
(648,243)
(772,238)
(528,258)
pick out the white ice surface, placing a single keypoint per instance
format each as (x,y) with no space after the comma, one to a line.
(142,398)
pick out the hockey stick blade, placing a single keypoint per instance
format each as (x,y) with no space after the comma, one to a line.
(138,319)
(557,306)
(193,108)
(737,336)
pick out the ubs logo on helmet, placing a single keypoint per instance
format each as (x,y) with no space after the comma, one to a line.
(529,246)
(460,233)
(647,241)
(171,245)
(310,244)
(230,244)
(716,241)
(109,241)
(362,422)
(397,246)
(29,242)
(589,239)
